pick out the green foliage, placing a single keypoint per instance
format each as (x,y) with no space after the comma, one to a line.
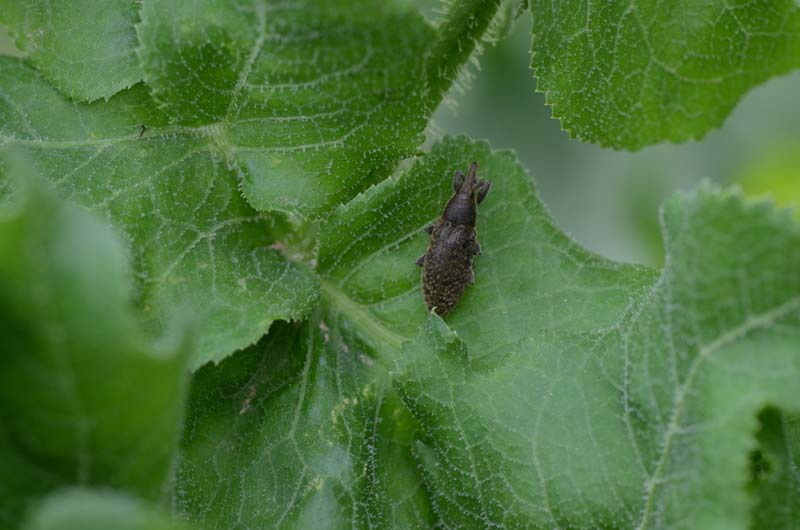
(195,242)
(628,398)
(308,104)
(627,75)
(86,397)
(646,423)
(80,509)
(85,48)
(268,192)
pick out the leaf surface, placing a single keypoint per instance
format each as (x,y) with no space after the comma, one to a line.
(309,101)
(296,432)
(649,423)
(564,391)
(630,74)
(297,106)
(197,246)
(86,48)
(86,397)
(305,429)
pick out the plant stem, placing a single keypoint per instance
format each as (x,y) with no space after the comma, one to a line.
(459,33)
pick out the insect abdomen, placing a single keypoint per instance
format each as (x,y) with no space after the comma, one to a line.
(447,266)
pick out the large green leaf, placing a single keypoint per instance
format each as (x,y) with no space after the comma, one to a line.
(296,432)
(367,247)
(196,244)
(308,101)
(83,509)
(564,391)
(644,424)
(629,74)
(309,430)
(86,398)
(86,48)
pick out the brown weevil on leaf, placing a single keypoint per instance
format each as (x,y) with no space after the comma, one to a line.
(447,264)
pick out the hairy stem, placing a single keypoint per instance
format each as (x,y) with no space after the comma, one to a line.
(460,31)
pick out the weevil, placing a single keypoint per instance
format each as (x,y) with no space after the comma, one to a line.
(447,265)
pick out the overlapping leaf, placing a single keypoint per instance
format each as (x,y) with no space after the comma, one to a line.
(86,398)
(196,244)
(300,106)
(85,48)
(645,424)
(629,74)
(309,101)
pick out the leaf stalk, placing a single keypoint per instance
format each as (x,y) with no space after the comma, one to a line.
(460,32)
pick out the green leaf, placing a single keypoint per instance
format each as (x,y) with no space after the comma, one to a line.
(86,398)
(196,244)
(317,85)
(295,432)
(309,102)
(774,466)
(645,424)
(83,509)
(564,390)
(305,429)
(85,48)
(627,75)
(371,276)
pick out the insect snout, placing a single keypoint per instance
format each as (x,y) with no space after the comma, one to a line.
(471,185)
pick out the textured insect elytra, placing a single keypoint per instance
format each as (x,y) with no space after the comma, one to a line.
(447,264)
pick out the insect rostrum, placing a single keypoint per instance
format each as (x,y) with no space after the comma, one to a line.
(447,264)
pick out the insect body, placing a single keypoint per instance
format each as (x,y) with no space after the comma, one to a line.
(447,264)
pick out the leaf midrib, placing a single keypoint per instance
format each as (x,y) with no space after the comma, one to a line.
(370,328)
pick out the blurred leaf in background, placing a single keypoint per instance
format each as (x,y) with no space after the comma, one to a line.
(6,44)
(774,171)
(85,509)
(87,398)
